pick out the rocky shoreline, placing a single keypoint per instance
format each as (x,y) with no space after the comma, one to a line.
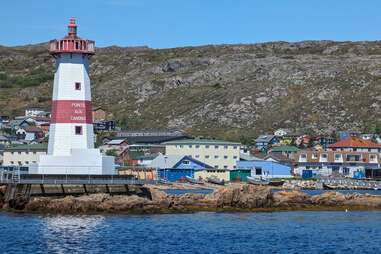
(231,198)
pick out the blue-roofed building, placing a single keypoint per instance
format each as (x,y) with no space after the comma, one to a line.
(264,142)
(176,167)
(266,169)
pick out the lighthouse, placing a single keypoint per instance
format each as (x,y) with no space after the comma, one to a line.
(71,135)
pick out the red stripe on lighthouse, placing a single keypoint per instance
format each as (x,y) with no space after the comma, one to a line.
(72,111)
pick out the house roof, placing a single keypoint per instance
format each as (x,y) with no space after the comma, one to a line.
(34,147)
(277,157)
(3,138)
(354,142)
(32,129)
(116,141)
(285,149)
(265,138)
(151,139)
(171,161)
(200,142)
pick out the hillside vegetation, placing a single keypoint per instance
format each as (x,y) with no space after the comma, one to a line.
(226,91)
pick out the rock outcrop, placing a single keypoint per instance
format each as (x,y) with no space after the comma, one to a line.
(237,198)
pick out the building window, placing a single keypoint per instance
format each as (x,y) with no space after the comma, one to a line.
(303,156)
(258,171)
(235,157)
(78,130)
(216,147)
(197,156)
(216,166)
(314,156)
(206,156)
(215,156)
(186,162)
(197,146)
(225,167)
(77,85)
(181,146)
(226,147)
(225,156)
(207,146)
(12,162)
(235,147)
(190,146)
(337,156)
(27,162)
(324,156)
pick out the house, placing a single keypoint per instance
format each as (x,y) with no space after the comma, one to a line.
(287,151)
(177,167)
(344,163)
(325,141)
(99,114)
(45,128)
(34,112)
(4,140)
(221,174)
(146,160)
(281,132)
(217,153)
(264,142)
(266,169)
(23,155)
(4,119)
(104,125)
(355,144)
(33,133)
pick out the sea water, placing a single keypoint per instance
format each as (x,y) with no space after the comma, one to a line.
(271,232)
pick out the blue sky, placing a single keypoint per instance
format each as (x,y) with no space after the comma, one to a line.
(175,23)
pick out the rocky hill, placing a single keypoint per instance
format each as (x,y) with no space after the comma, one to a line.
(226,91)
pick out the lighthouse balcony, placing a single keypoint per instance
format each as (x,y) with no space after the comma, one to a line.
(72,45)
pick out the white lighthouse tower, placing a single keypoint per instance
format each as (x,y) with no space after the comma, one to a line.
(71,136)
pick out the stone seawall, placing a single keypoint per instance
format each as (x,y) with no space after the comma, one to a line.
(230,198)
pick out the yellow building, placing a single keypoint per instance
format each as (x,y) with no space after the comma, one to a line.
(23,155)
(221,174)
(216,153)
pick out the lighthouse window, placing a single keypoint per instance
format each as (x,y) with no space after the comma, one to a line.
(78,130)
(77,85)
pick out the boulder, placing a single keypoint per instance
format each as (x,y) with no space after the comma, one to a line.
(329,199)
(291,198)
(241,196)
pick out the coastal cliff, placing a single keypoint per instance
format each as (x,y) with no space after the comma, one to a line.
(231,198)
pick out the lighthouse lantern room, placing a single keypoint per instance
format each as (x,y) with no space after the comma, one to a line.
(71,136)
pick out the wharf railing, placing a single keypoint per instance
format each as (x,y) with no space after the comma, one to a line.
(16,176)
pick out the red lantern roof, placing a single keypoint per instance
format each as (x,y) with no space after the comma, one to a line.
(72,43)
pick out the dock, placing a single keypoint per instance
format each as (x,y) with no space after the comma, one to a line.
(21,185)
